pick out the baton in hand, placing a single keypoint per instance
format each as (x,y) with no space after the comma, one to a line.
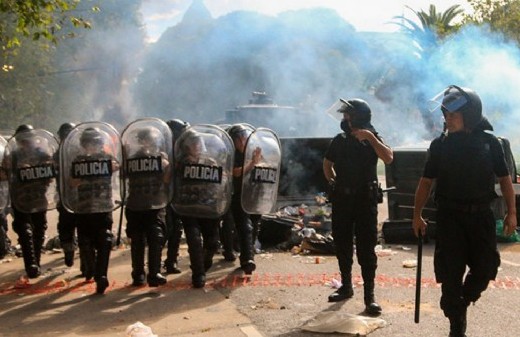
(418,278)
(120,227)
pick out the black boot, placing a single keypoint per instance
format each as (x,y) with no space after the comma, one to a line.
(155,277)
(343,293)
(68,252)
(87,256)
(171,267)
(458,324)
(137,247)
(371,306)
(104,248)
(208,259)
(198,280)
(32,268)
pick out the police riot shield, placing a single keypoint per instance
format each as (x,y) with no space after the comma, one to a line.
(203,170)
(4,182)
(261,172)
(90,161)
(31,166)
(148,160)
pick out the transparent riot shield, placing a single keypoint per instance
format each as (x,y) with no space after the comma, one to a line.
(203,171)
(4,182)
(90,161)
(30,160)
(148,160)
(261,172)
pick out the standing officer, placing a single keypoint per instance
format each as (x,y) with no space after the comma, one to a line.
(243,224)
(89,182)
(203,165)
(66,220)
(350,166)
(463,164)
(173,220)
(33,190)
(147,149)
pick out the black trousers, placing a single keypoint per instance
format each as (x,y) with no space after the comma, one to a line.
(355,216)
(66,227)
(202,238)
(146,228)
(30,228)
(95,241)
(464,239)
(173,235)
(244,228)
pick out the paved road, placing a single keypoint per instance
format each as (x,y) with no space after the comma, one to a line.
(286,292)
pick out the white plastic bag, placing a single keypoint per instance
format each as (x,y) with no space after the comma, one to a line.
(138,329)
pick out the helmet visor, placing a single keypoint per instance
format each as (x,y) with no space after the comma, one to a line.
(449,100)
(337,109)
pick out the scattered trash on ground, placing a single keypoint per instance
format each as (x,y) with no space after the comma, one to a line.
(341,322)
(138,329)
(410,263)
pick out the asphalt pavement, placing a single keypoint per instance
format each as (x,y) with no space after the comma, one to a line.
(285,293)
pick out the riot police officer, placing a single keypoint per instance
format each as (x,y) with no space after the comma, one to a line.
(203,188)
(89,176)
(147,151)
(243,224)
(33,180)
(173,220)
(66,220)
(350,165)
(462,165)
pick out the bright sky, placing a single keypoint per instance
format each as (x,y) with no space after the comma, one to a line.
(365,15)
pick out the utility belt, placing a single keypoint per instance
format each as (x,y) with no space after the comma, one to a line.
(464,207)
(372,190)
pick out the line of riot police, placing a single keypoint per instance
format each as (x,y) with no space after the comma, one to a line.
(166,176)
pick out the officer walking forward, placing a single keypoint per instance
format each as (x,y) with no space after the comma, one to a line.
(89,186)
(66,219)
(463,165)
(350,166)
(31,166)
(203,165)
(147,153)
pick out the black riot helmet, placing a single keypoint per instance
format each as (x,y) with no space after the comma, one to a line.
(468,103)
(177,126)
(24,127)
(359,112)
(91,136)
(65,129)
(240,130)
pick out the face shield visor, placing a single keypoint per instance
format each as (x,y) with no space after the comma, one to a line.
(451,99)
(337,109)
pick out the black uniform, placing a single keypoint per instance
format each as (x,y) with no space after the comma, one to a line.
(173,238)
(464,166)
(95,237)
(146,225)
(242,220)
(354,206)
(30,227)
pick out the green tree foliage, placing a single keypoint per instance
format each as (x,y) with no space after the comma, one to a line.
(500,15)
(45,84)
(434,26)
(36,19)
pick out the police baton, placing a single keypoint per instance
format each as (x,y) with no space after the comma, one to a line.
(120,227)
(418,278)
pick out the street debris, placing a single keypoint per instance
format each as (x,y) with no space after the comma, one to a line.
(341,322)
(138,329)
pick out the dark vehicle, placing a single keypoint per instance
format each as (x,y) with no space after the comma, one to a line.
(262,111)
(404,174)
